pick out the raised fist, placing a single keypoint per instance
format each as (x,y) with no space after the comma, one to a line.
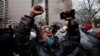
(36,10)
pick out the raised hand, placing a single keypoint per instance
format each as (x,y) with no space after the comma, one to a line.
(36,10)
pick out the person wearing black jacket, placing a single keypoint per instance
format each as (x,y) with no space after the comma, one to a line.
(6,43)
(47,45)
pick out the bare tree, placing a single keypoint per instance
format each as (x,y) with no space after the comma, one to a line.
(89,10)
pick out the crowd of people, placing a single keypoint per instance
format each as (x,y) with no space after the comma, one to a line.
(30,40)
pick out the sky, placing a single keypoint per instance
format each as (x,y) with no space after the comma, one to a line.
(77,4)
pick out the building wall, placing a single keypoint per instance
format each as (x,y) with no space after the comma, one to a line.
(18,8)
(3,12)
(3,9)
(56,7)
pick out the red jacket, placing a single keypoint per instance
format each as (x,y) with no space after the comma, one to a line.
(88,26)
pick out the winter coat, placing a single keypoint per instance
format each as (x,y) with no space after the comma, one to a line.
(6,43)
(36,48)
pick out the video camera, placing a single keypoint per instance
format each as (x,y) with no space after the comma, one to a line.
(64,15)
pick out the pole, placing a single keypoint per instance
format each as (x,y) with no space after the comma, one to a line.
(47,12)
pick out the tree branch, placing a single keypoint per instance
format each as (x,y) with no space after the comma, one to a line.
(79,15)
(94,13)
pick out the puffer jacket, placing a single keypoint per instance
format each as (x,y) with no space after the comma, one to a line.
(35,48)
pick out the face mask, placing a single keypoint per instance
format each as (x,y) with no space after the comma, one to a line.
(32,35)
(49,42)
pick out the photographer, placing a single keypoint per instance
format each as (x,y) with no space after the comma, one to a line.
(46,45)
(70,26)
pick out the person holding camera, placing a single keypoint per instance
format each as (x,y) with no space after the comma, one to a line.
(47,44)
(70,27)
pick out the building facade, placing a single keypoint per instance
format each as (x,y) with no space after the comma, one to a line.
(18,8)
(3,12)
(53,8)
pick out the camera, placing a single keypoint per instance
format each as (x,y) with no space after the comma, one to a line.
(64,15)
